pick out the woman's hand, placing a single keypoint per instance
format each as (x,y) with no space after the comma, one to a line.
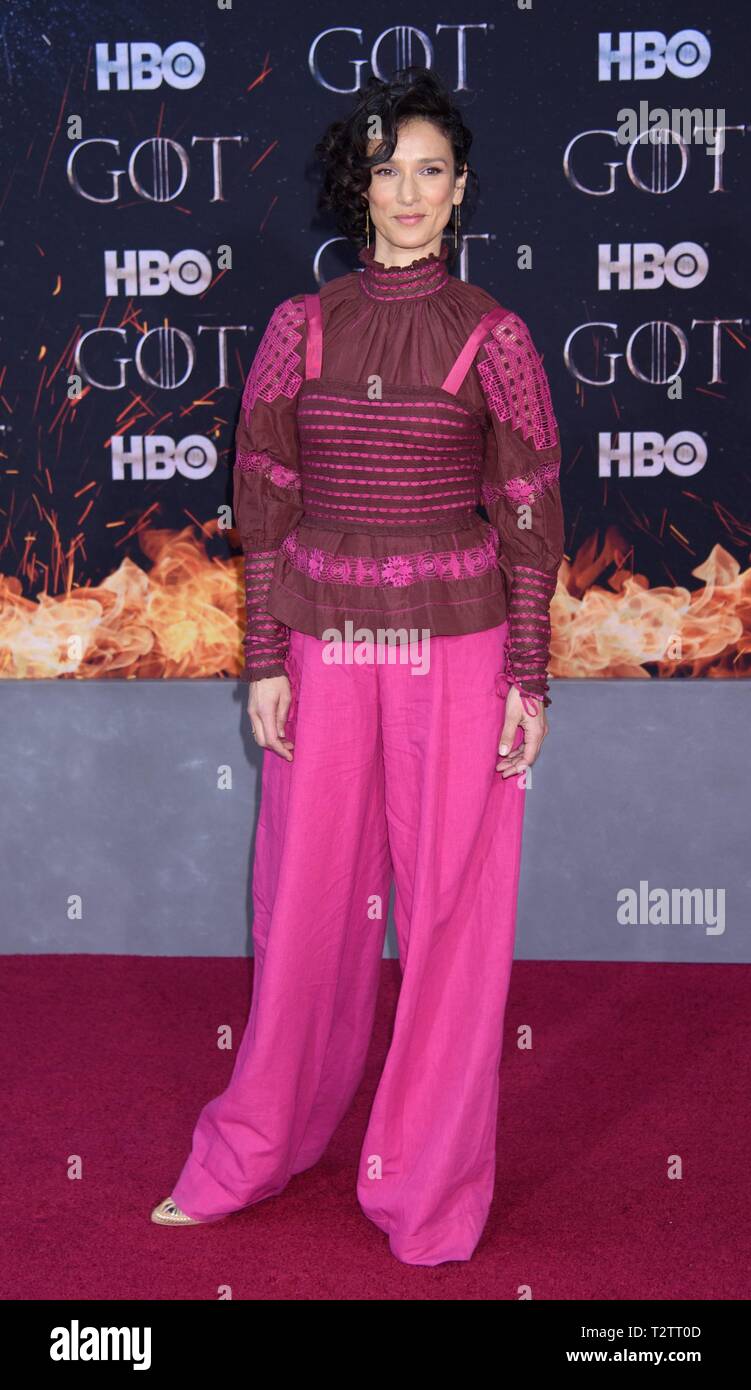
(268,706)
(534,726)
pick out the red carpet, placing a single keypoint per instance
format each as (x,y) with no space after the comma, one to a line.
(110,1058)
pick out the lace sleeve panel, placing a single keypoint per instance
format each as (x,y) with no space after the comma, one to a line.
(520,491)
(267,491)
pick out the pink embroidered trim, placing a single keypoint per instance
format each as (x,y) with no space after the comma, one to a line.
(274,371)
(530,703)
(258,461)
(422,276)
(392,571)
(528,639)
(515,384)
(527,489)
(266,640)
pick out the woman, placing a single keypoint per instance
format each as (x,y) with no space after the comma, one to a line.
(376,416)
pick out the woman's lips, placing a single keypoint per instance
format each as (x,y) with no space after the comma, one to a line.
(409,218)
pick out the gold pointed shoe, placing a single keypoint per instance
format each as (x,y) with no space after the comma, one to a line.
(167,1213)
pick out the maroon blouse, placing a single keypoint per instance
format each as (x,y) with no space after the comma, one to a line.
(376,416)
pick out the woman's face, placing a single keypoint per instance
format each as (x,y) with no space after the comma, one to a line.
(417,183)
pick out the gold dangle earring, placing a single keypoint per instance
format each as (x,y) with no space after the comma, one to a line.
(457,220)
(367,225)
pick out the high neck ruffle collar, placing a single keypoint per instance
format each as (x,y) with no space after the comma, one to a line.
(423,276)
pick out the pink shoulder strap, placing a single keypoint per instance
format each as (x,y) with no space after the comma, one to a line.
(314,346)
(466,356)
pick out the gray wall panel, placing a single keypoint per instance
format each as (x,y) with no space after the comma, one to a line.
(111,792)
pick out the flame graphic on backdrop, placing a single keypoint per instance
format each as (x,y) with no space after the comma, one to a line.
(618,631)
(184,618)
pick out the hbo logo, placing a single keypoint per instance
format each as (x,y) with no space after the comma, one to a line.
(645,454)
(141,67)
(157,456)
(154,272)
(646,55)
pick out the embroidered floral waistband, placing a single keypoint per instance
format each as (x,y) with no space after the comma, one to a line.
(392,571)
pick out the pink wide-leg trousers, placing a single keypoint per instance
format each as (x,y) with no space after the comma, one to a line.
(393,775)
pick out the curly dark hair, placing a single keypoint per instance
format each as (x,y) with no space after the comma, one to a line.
(412,92)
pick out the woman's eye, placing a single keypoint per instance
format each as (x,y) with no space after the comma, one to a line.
(431,169)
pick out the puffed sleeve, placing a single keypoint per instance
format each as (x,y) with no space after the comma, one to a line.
(520,492)
(267,497)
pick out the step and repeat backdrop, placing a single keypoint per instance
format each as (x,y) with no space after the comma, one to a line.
(159,199)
